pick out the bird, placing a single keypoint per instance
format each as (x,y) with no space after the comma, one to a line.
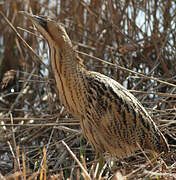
(111,118)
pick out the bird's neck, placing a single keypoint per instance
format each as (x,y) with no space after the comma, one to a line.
(65,62)
(68,73)
(63,58)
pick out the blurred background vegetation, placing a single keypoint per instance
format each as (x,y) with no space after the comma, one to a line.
(136,38)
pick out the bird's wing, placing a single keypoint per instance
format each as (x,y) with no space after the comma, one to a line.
(113,101)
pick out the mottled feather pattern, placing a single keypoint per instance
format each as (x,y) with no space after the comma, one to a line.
(119,117)
(111,118)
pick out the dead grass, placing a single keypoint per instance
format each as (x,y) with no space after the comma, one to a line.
(131,41)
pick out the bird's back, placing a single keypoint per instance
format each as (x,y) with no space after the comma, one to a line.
(115,121)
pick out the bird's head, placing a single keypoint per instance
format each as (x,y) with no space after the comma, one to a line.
(52,31)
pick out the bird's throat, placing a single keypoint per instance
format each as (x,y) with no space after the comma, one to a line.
(68,78)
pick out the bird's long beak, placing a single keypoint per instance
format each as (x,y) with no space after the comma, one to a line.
(35,19)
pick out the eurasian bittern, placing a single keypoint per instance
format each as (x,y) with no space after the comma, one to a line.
(111,118)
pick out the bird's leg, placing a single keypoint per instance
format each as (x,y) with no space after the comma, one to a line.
(101,164)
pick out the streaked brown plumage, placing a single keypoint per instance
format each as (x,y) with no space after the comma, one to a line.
(111,118)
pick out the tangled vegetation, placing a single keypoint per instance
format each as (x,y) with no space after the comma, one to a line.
(131,41)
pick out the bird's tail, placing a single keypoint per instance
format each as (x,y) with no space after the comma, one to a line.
(157,143)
